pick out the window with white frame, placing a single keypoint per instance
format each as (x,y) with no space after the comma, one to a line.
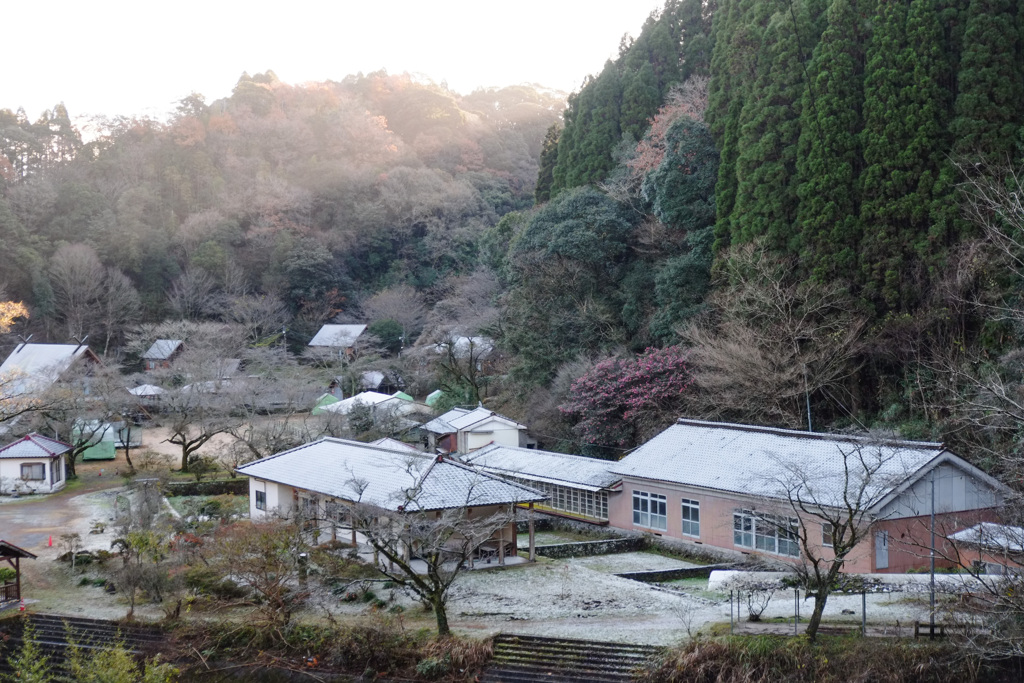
(650,510)
(33,471)
(571,500)
(774,534)
(691,518)
(826,534)
(261,500)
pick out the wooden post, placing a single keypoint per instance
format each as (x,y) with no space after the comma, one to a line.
(17,577)
(501,548)
(533,547)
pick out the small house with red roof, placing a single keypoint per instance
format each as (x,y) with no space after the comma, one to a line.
(33,464)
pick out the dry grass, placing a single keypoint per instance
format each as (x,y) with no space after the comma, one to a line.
(768,659)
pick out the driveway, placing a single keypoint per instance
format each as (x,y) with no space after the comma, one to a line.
(30,521)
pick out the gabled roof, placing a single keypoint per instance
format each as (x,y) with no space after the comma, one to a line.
(462,346)
(755,461)
(146,390)
(371,379)
(337,336)
(11,550)
(162,349)
(555,468)
(34,446)
(395,445)
(389,479)
(34,367)
(462,419)
(366,398)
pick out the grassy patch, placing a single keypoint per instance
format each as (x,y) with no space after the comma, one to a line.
(696,586)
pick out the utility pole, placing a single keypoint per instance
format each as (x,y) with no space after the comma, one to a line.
(931,619)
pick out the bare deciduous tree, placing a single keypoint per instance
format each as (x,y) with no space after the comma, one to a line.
(768,341)
(194,295)
(400,303)
(835,503)
(76,276)
(120,306)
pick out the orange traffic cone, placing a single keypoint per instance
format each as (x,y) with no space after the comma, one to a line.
(49,543)
(21,608)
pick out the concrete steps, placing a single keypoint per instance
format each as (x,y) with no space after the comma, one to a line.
(52,631)
(530,659)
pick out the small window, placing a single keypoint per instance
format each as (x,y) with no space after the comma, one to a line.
(691,518)
(33,472)
(261,500)
(826,534)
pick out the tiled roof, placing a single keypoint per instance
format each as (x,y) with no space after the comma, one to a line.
(34,367)
(162,349)
(389,479)
(528,463)
(337,336)
(395,445)
(460,419)
(34,446)
(758,461)
(442,424)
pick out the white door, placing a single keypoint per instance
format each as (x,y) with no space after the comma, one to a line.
(881,550)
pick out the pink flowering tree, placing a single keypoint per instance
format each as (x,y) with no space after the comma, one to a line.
(624,400)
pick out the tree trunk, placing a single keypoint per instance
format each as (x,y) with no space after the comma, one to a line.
(820,598)
(184,458)
(442,616)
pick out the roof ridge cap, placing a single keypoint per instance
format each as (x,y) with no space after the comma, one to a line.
(818,436)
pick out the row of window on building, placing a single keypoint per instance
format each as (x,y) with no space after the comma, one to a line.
(573,501)
(767,533)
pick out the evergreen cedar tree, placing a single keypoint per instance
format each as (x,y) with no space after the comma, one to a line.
(836,122)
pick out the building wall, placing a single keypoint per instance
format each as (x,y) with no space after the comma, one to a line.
(908,538)
(280,498)
(491,432)
(10,475)
(955,491)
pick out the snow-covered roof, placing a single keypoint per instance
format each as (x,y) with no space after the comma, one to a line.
(461,347)
(762,461)
(34,367)
(34,446)
(555,468)
(337,336)
(366,398)
(386,478)
(395,445)
(162,349)
(999,537)
(371,379)
(462,419)
(146,390)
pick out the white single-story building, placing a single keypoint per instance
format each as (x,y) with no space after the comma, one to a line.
(320,481)
(33,464)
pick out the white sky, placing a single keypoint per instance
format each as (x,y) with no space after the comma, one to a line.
(118,57)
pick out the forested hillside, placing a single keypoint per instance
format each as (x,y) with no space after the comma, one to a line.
(759,211)
(317,195)
(831,239)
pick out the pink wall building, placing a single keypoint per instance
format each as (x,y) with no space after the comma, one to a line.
(729,487)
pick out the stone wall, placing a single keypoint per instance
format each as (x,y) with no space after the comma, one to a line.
(589,548)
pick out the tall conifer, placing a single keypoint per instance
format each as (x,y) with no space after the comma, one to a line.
(766,198)
(829,160)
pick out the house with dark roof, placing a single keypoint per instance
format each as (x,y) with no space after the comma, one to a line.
(10,591)
(462,430)
(162,353)
(33,464)
(320,482)
(729,486)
